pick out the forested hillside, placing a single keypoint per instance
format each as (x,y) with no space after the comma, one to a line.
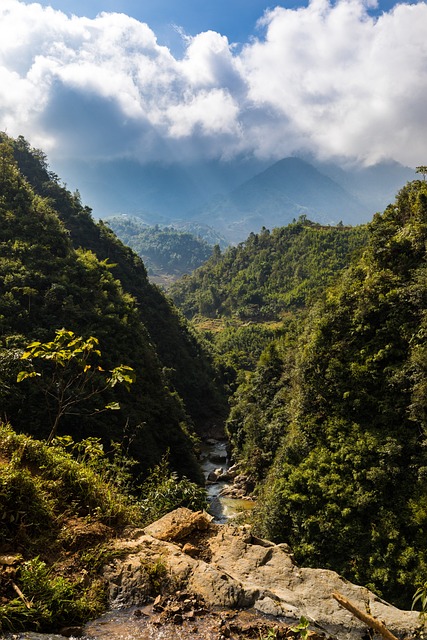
(60,269)
(332,424)
(165,250)
(318,333)
(269,274)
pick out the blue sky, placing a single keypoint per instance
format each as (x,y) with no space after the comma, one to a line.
(170,80)
(234,18)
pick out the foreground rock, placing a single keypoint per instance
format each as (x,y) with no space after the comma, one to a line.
(227,566)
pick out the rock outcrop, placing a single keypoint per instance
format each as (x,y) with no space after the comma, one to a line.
(229,567)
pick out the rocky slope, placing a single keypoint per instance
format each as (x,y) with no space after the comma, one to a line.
(226,566)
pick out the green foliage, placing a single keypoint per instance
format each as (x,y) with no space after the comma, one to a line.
(346,403)
(44,492)
(114,467)
(72,380)
(31,504)
(420,599)
(270,635)
(270,273)
(163,249)
(53,601)
(50,493)
(259,413)
(241,345)
(158,576)
(58,268)
(302,628)
(163,491)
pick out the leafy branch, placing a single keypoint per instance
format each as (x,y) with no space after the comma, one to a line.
(72,379)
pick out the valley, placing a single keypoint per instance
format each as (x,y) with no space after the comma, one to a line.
(302,347)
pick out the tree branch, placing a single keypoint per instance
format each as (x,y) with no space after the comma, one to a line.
(372,622)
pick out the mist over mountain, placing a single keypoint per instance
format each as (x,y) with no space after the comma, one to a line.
(239,196)
(158,193)
(288,189)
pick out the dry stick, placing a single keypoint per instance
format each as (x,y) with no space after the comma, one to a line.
(21,595)
(364,617)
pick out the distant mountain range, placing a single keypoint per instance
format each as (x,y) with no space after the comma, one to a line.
(288,189)
(238,197)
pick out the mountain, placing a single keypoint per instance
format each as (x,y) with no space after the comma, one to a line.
(60,269)
(288,189)
(237,196)
(157,192)
(375,186)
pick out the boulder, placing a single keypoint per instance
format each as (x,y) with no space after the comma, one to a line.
(178,524)
(215,475)
(242,571)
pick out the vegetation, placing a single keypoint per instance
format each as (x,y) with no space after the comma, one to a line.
(318,334)
(58,268)
(59,505)
(333,419)
(163,249)
(163,491)
(250,295)
(269,274)
(71,380)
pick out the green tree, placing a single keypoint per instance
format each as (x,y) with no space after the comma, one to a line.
(72,379)
(346,488)
(423,170)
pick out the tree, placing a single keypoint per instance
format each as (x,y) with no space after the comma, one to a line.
(70,378)
(423,170)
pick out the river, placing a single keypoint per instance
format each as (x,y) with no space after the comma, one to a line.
(214,456)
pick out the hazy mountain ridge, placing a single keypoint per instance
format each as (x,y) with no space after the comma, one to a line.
(241,195)
(288,189)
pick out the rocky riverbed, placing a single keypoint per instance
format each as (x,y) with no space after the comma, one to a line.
(228,569)
(228,490)
(186,577)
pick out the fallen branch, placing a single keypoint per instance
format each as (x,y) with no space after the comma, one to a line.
(372,622)
(21,595)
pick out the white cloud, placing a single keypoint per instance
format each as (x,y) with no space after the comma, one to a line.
(326,78)
(347,83)
(213,111)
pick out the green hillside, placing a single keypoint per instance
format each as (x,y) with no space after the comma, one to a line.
(184,360)
(332,424)
(250,294)
(59,269)
(269,274)
(164,250)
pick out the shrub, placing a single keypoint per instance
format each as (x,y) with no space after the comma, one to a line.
(164,491)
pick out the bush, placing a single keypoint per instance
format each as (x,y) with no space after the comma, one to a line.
(164,491)
(50,601)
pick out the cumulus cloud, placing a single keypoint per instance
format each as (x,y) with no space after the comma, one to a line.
(327,78)
(348,84)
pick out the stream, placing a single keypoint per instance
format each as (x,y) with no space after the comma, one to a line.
(214,456)
(124,624)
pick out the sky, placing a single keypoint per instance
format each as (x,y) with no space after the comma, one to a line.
(189,80)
